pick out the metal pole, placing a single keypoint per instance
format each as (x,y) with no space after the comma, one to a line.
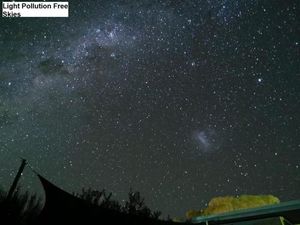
(16,180)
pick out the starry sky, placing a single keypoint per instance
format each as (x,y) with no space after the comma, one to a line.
(181,100)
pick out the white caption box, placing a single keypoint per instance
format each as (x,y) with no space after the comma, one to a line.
(35,9)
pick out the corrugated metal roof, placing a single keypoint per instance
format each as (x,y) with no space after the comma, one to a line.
(289,210)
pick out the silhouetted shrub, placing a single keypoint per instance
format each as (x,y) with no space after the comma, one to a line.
(21,208)
(135,205)
(100,198)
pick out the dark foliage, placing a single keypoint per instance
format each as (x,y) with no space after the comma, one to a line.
(21,208)
(135,205)
(100,198)
(24,209)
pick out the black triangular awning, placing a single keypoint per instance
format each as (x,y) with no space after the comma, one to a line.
(60,204)
(63,208)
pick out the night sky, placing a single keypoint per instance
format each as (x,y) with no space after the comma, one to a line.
(180,100)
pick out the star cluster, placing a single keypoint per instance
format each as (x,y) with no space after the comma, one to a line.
(181,100)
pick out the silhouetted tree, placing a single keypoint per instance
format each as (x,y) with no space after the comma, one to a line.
(100,198)
(135,205)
